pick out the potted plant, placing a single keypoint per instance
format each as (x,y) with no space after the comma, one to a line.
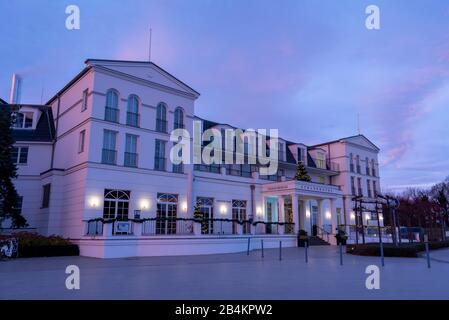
(302,238)
(341,237)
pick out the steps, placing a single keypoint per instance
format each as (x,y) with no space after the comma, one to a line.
(316,241)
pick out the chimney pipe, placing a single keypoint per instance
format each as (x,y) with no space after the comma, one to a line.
(16,89)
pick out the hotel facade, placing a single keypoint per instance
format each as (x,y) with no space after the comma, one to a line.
(93,166)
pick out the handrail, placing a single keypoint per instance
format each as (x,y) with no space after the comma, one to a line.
(323,232)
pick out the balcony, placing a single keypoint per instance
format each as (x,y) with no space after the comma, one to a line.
(109,156)
(111,114)
(130,159)
(132,119)
(324,164)
(213,168)
(161,125)
(178,168)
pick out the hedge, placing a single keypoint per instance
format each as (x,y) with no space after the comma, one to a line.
(407,250)
(36,245)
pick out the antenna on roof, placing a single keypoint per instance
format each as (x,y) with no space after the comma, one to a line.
(358,123)
(149,48)
(42,94)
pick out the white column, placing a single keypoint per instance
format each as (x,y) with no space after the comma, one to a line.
(302,215)
(295,212)
(320,213)
(281,213)
(333,208)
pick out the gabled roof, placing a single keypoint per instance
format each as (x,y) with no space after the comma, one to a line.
(92,62)
(2,101)
(111,63)
(347,139)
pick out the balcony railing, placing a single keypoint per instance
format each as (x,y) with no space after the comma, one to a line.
(325,164)
(109,156)
(161,125)
(213,168)
(132,119)
(173,226)
(159,163)
(167,227)
(111,114)
(130,159)
(178,168)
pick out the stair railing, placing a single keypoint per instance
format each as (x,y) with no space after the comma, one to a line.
(323,234)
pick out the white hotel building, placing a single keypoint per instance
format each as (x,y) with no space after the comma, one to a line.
(99,150)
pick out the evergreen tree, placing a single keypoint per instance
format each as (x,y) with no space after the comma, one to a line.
(8,171)
(301,173)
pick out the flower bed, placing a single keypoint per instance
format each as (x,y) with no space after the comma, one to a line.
(36,245)
(407,250)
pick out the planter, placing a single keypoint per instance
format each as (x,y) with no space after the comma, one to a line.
(302,241)
(341,240)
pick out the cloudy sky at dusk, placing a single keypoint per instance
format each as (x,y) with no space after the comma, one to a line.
(305,67)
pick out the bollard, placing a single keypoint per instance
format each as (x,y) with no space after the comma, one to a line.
(426,243)
(280,250)
(341,254)
(262,247)
(382,254)
(247,250)
(306,247)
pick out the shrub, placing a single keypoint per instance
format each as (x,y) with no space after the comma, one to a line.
(407,250)
(36,245)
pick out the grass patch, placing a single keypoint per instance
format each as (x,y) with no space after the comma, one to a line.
(406,250)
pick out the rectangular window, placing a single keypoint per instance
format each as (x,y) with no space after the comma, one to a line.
(19,155)
(159,155)
(18,208)
(359,185)
(131,150)
(353,186)
(368,187)
(320,160)
(178,168)
(46,195)
(109,154)
(367,166)
(375,189)
(281,151)
(84,103)
(81,141)
(357,161)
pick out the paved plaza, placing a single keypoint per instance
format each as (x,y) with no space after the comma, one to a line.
(228,276)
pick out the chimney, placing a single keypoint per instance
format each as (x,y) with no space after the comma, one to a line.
(16,89)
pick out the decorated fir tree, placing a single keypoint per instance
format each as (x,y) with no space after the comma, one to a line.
(301,173)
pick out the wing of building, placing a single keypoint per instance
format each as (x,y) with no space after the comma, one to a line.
(94,165)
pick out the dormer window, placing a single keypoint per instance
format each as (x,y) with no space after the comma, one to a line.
(281,151)
(22,120)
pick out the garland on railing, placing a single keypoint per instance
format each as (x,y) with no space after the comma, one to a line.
(241,222)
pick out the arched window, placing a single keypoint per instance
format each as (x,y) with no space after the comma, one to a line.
(116,204)
(161,117)
(132,115)
(179,118)
(111,110)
